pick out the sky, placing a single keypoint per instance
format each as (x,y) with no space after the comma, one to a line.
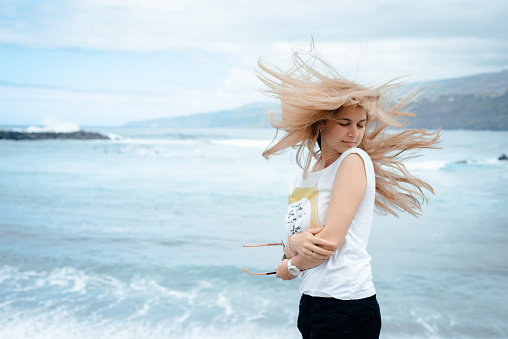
(108,62)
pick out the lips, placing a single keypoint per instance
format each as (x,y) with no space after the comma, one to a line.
(350,143)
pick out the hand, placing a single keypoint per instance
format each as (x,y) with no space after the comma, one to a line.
(282,271)
(310,247)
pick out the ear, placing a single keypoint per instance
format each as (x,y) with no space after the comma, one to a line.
(321,124)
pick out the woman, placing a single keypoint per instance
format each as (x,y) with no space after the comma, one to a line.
(357,168)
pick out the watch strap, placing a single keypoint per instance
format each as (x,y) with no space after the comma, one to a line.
(294,270)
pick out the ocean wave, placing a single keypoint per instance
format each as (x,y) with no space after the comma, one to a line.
(251,143)
(70,303)
(254,143)
(434,165)
(491,161)
(114,137)
(430,165)
(52,124)
(47,327)
(122,140)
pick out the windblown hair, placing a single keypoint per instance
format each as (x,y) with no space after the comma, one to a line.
(309,96)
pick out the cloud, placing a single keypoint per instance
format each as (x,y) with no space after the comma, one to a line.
(136,25)
(421,59)
(241,31)
(121,60)
(29,104)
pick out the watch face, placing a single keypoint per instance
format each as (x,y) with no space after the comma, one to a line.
(293,271)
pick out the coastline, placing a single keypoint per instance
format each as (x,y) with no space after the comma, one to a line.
(78,135)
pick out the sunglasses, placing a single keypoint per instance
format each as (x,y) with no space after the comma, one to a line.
(281,243)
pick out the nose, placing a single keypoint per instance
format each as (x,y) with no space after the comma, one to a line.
(352,133)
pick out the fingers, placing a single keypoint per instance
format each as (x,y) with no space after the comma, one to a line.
(322,243)
(317,253)
(313,256)
(319,241)
(315,230)
(305,242)
(322,251)
(282,272)
(318,245)
(278,273)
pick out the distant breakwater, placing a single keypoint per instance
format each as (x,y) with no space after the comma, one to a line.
(79,135)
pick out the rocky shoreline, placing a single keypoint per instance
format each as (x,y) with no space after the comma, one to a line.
(79,135)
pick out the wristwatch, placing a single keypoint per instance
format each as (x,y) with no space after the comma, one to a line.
(293,269)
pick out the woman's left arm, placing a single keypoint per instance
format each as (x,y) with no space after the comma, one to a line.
(347,194)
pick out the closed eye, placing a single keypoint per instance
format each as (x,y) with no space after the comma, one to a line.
(347,124)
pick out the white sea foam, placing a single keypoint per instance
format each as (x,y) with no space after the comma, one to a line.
(251,143)
(255,143)
(431,165)
(48,327)
(144,285)
(156,141)
(62,315)
(490,161)
(223,302)
(115,137)
(427,321)
(52,124)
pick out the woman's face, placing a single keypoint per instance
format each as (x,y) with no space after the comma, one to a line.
(344,132)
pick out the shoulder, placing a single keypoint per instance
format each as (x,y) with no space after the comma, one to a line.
(354,153)
(352,165)
(353,160)
(360,152)
(356,159)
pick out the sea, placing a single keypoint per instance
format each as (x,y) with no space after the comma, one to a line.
(142,237)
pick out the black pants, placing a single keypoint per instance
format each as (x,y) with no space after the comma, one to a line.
(322,318)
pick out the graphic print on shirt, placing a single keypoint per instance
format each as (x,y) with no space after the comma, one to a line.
(301,202)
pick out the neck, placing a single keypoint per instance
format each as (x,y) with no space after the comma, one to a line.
(327,158)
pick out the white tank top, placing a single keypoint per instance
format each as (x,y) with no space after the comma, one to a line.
(347,274)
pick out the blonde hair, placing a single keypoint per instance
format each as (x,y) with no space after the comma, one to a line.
(308,96)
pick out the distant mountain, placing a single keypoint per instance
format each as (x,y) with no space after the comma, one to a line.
(473,102)
(478,102)
(463,112)
(247,116)
(481,84)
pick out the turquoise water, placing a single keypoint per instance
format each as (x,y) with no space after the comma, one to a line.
(141,237)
